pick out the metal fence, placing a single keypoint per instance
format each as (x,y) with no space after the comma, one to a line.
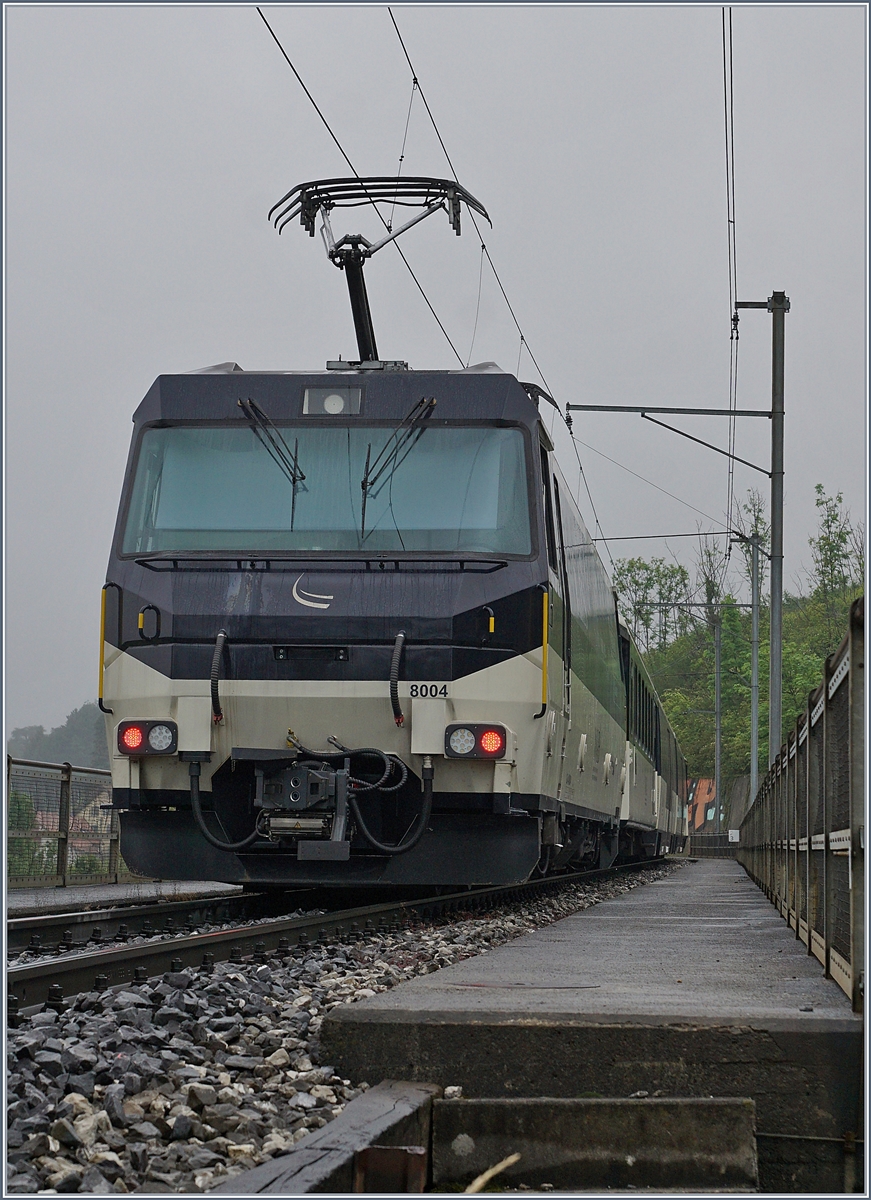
(803,840)
(711,845)
(60,826)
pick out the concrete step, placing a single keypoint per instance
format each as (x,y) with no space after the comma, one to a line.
(689,987)
(579,1144)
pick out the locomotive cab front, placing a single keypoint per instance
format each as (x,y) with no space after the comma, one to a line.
(330,589)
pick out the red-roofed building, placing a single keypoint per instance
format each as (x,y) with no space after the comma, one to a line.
(702,805)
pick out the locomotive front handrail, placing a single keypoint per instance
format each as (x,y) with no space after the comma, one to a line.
(545,604)
(173,563)
(105,587)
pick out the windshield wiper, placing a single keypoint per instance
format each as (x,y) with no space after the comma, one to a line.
(276,447)
(405,437)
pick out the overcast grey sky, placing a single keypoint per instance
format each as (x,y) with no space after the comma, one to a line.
(145,145)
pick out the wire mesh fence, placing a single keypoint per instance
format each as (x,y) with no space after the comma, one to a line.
(803,840)
(60,826)
(711,845)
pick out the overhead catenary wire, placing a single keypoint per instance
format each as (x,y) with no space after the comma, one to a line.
(646,537)
(358,178)
(524,344)
(450,163)
(729,138)
(623,467)
(583,475)
(402,153)
(477,307)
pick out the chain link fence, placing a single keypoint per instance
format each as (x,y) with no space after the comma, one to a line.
(803,840)
(60,826)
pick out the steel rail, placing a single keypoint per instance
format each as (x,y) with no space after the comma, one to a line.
(29,984)
(54,928)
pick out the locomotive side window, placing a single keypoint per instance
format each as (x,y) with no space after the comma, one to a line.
(567,603)
(548,511)
(339,488)
(644,719)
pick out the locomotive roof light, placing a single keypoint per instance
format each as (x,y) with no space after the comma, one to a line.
(139,738)
(335,401)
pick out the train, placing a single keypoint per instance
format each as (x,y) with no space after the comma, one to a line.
(354,632)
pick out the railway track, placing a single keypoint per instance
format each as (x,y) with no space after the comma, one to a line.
(74,930)
(53,979)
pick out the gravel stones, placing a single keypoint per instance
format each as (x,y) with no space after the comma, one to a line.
(180,1083)
(65,1133)
(201,1094)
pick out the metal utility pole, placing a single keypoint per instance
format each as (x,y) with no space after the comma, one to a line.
(718,715)
(754,542)
(754,668)
(778,305)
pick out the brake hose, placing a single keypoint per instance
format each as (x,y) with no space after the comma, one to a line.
(423,816)
(198,817)
(394,678)
(217,713)
(360,785)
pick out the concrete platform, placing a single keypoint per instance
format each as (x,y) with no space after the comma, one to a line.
(39,902)
(689,986)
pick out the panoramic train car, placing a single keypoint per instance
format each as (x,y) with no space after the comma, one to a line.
(655,790)
(355,631)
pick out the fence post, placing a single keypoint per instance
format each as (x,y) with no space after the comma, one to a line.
(114,841)
(825,801)
(856,683)
(803,823)
(8,794)
(782,834)
(63,823)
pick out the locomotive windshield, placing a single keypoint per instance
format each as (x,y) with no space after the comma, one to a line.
(442,489)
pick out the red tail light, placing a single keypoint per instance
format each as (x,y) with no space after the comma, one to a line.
(132,737)
(139,738)
(474,739)
(492,741)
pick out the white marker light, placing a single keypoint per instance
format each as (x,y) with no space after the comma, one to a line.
(462,741)
(160,737)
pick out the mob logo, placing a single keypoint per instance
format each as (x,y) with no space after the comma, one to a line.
(312,600)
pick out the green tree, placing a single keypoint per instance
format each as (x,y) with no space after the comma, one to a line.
(652,594)
(682,663)
(25,854)
(751,522)
(834,553)
(87,864)
(81,740)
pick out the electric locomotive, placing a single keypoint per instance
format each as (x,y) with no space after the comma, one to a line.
(355,631)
